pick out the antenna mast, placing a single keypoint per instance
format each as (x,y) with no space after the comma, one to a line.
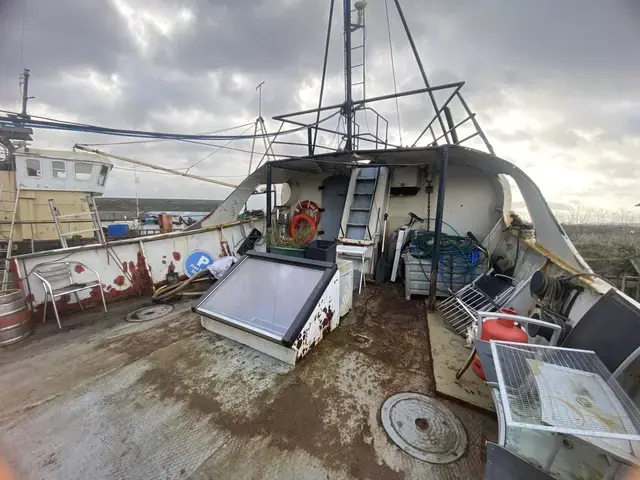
(24,82)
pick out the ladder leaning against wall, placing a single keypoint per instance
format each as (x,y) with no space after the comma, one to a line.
(6,242)
(95,220)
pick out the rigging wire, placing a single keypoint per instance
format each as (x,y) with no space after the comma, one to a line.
(132,142)
(138,170)
(24,14)
(393,69)
(88,128)
(215,151)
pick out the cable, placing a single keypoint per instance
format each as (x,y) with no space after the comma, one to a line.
(24,14)
(459,256)
(393,69)
(71,126)
(167,173)
(216,150)
(132,142)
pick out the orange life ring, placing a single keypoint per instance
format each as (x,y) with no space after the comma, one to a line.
(303,217)
(310,208)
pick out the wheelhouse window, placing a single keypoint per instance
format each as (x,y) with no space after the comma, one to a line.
(83,171)
(59,169)
(33,167)
(102,178)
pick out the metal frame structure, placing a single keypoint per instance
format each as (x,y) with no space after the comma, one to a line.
(442,117)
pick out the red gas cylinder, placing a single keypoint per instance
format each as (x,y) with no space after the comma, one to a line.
(499,329)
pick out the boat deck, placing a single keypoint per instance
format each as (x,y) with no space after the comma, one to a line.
(166,399)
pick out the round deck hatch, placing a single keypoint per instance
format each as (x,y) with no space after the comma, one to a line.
(152,312)
(423,428)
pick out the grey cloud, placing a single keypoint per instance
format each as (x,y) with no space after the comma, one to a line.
(574,59)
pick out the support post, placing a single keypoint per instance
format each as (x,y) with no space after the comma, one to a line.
(311,145)
(348,106)
(452,127)
(324,70)
(269,208)
(435,260)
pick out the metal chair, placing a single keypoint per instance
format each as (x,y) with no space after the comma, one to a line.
(57,280)
(488,292)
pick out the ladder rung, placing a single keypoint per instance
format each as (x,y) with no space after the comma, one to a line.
(358,65)
(80,231)
(68,215)
(355,48)
(356,84)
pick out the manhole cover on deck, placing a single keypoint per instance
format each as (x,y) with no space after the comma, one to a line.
(145,314)
(423,428)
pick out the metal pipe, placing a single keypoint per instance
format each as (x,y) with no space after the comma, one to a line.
(435,259)
(452,128)
(462,122)
(324,70)
(310,144)
(268,212)
(151,165)
(437,115)
(348,107)
(476,133)
(419,62)
(476,124)
(356,103)
(25,91)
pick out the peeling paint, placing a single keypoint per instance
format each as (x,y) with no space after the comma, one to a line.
(79,268)
(176,256)
(323,319)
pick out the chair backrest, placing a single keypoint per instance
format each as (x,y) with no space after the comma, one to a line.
(611,328)
(58,273)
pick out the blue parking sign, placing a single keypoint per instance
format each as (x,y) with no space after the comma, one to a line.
(197,261)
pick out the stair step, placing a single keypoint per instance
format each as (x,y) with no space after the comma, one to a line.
(359,193)
(354,209)
(356,224)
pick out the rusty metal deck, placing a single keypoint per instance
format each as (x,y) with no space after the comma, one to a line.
(166,399)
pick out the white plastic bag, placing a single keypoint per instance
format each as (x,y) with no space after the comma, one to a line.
(220,266)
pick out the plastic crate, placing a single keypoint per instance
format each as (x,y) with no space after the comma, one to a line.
(323,250)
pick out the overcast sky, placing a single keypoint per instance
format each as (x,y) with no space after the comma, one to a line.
(555,84)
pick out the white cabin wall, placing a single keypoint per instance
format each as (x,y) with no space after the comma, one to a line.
(473,200)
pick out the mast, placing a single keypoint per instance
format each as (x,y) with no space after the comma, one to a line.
(348,102)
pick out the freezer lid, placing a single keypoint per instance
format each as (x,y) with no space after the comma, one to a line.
(271,296)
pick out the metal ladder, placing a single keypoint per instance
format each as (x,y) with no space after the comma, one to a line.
(360,213)
(358,55)
(8,246)
(95,219)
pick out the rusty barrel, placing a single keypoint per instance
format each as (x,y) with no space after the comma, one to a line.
(14,317)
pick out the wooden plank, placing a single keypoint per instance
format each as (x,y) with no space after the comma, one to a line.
(449,353)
